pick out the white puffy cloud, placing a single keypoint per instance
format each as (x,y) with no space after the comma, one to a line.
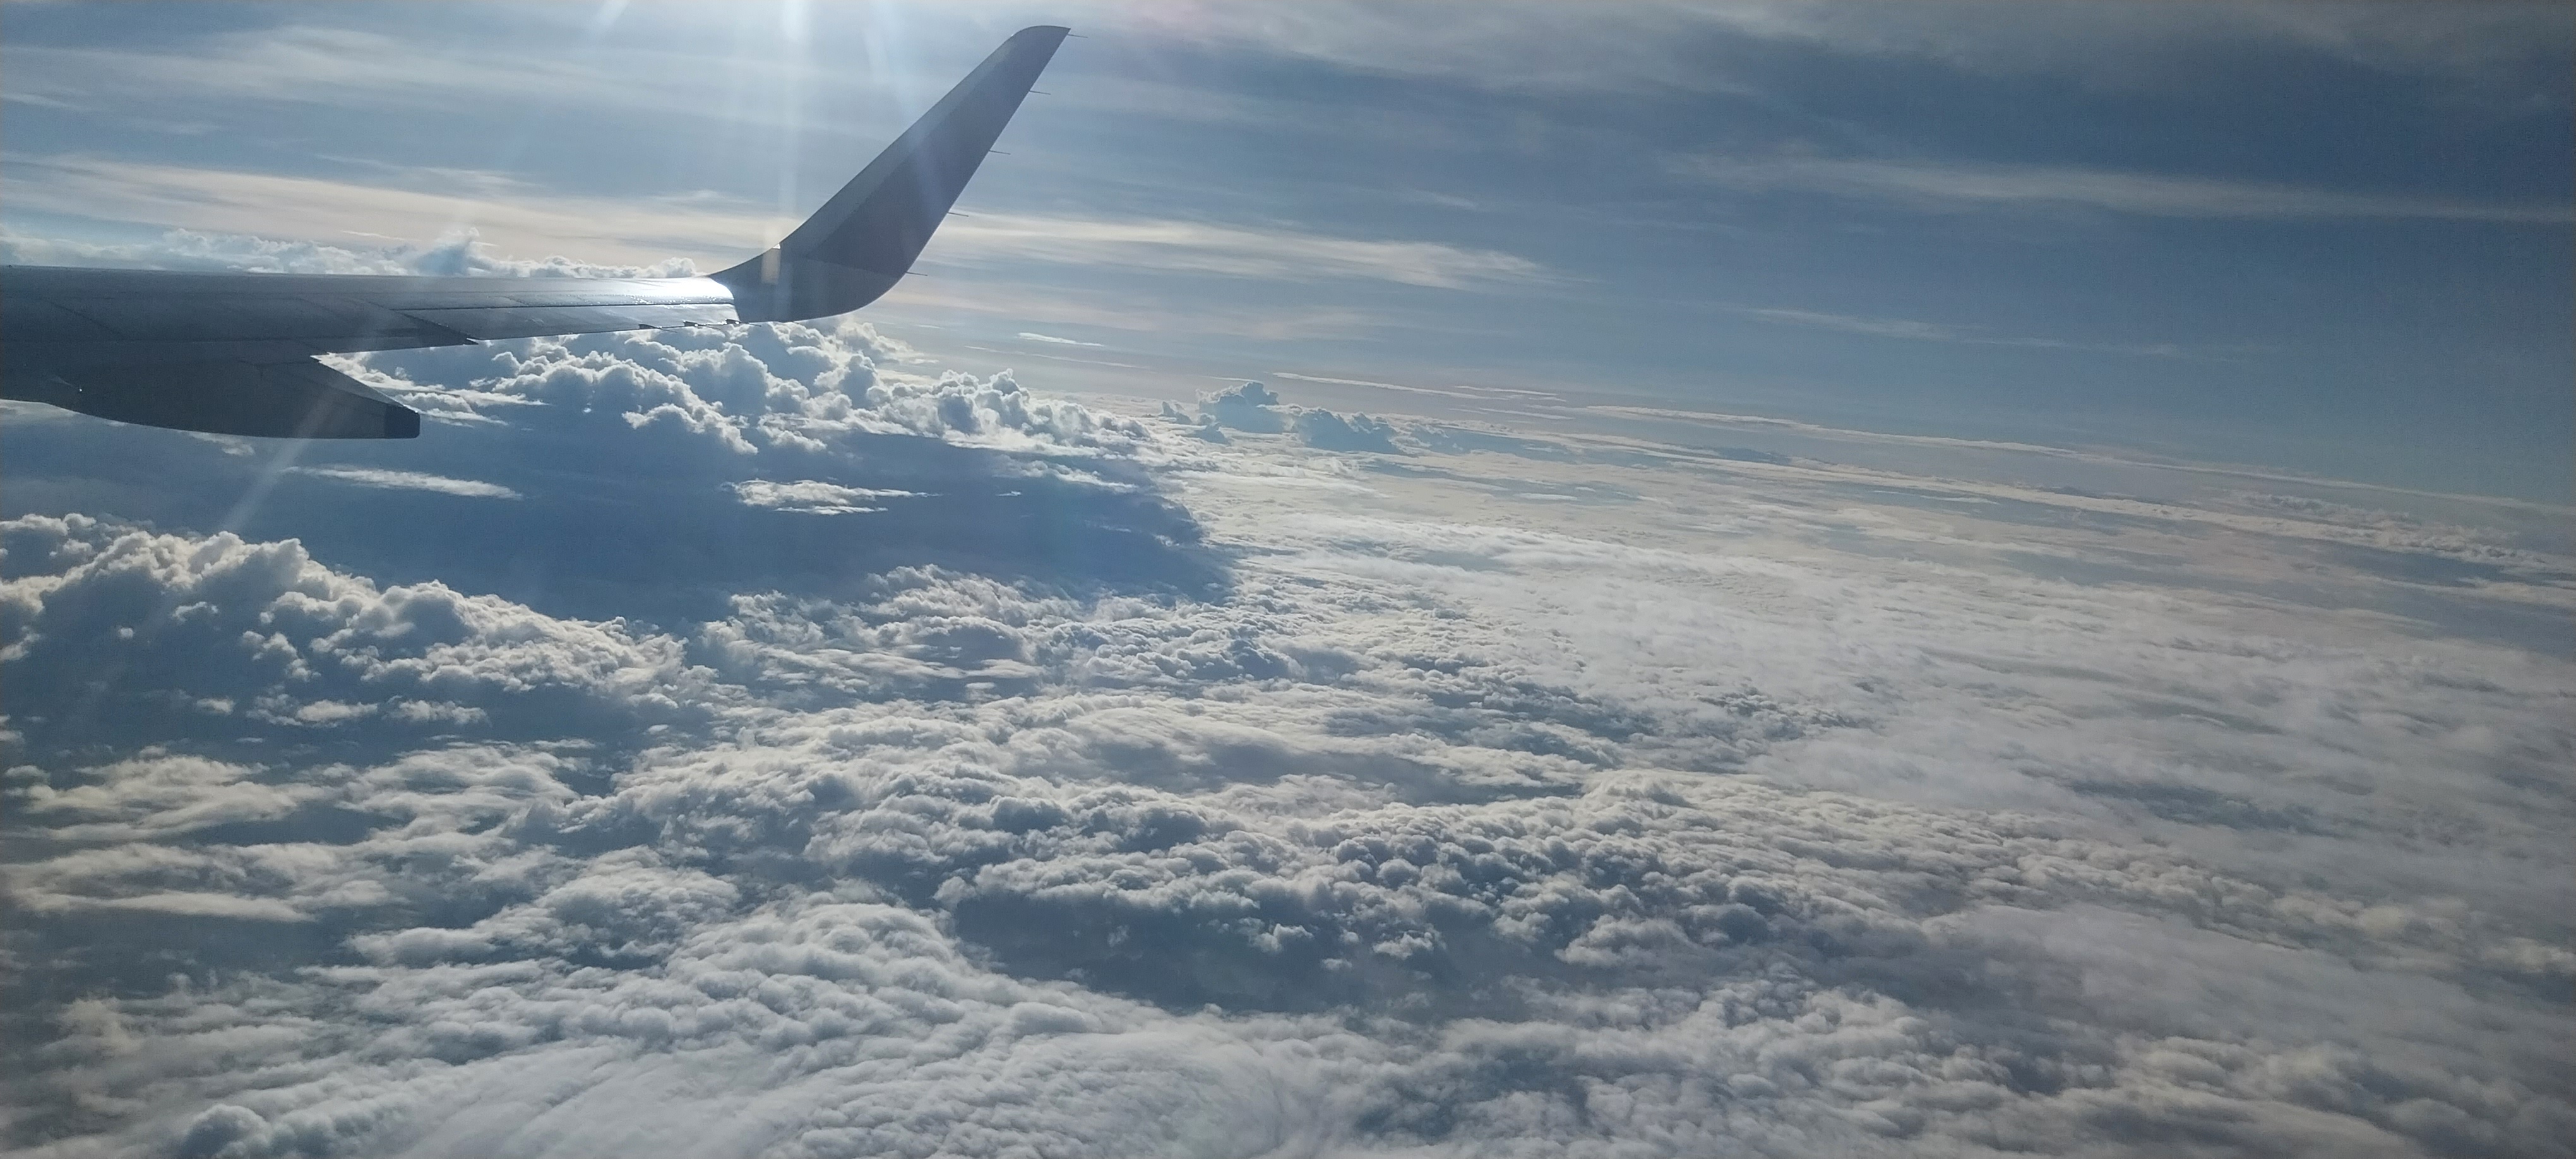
(1249,407)
(1326,431)
(660,474)
(142,634)
(744,388)
(1255,408)
(1529,793)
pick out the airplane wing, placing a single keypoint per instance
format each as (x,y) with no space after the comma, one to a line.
(232,353)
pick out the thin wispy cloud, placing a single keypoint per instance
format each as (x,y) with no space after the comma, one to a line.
(1912,330)
(520,219)
(1460,390)
(296,63)
(422,204)
(2136,45)
(1580,47)
(1026,336)
(409,481)
(317,63)
(812,496)
(1962,185)
(1231,250)
(1149,310)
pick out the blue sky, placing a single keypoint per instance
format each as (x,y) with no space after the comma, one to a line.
(2333,239)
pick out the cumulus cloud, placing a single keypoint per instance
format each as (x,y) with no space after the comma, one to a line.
(1203,427)
(1326,431)
(1257,409)
(1249,407)
(824,755)
(743,389)
(220,628)
(726,440)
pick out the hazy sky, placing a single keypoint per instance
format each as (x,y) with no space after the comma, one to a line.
(2332,238)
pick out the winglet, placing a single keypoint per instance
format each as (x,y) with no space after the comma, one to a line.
(863,240)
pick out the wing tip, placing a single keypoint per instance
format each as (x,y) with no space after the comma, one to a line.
(854,248)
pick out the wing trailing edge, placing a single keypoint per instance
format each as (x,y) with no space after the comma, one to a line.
(289,400)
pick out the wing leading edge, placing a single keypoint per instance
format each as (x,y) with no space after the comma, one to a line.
(232,353)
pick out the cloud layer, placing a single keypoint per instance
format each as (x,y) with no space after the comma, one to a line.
(826,755)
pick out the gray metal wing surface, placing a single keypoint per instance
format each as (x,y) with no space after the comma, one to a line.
(233,353)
